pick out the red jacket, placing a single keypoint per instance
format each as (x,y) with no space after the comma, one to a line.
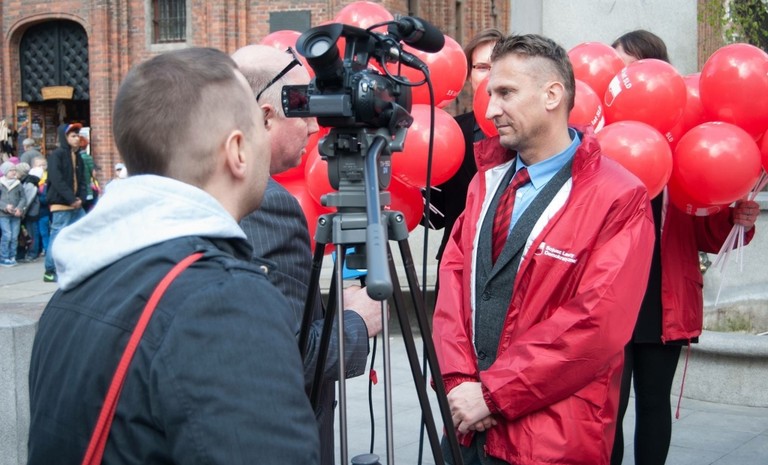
(554,386)
(682,237)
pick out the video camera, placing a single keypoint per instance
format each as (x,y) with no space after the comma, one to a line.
(348,93)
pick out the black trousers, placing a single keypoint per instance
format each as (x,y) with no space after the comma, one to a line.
(652,368)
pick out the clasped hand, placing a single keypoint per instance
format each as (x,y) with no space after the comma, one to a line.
(468,409)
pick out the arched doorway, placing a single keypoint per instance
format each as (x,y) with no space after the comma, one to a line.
(53,58)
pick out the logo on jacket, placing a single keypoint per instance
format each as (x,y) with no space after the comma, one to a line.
(549,251)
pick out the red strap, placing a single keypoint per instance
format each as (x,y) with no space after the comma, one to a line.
(682,383)
(100,434)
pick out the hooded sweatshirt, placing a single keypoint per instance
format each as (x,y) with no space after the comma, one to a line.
(135,213)
(218,340)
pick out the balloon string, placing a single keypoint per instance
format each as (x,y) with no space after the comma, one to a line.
(736,239)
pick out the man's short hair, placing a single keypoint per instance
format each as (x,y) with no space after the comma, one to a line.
(537,46)
(174,110)
(28,142)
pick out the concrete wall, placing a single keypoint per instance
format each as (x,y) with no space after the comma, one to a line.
(572,23)
(17,333)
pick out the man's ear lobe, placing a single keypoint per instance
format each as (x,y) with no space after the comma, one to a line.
(269,113)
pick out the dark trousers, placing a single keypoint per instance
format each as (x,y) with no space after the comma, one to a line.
(472,455)
(652,368)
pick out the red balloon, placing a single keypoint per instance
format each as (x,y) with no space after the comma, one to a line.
(587,108)
(316,175)
(716,163)
(312,210)
(447,69)
(408,200)
(651,91)
(410,165)
(683,202)
(693,112)
(281,39)
(480,106)
(734,87)
(596,64)
(673,135)
(641,149)
(764,150)
(294,174)
(363,15)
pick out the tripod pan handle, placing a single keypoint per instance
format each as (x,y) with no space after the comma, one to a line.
(378,283)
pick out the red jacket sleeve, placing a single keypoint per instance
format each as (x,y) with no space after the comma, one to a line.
(712,231)
(451,325)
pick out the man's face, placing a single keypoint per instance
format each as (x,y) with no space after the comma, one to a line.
(481,64)
(517,102)
(73,139)
(289,136)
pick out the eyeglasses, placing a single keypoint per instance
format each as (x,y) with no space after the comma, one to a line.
(482,67)
(282,73)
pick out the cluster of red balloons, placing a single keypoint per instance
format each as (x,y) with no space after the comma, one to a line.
(695,134)
(448,70)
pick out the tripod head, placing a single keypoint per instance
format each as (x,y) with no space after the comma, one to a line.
(369,115)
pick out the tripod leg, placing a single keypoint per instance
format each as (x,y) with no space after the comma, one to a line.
(338,279)
(429,349)
(316,390)
(309,304)
(419,381)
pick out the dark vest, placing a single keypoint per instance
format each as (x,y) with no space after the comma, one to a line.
(493,282)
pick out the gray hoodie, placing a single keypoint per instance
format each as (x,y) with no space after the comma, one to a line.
(135,213)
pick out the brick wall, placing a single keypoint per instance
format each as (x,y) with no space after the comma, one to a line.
(118,35)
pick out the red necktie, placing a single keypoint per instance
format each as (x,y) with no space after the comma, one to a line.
(504,212)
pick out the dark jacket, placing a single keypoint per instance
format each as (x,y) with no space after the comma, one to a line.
(204,385)
(277,231)
(29,183)
(62,174)
(451,196)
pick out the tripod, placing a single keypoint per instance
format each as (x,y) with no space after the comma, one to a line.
(355,158)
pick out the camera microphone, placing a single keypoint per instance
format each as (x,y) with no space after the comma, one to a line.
(418,33)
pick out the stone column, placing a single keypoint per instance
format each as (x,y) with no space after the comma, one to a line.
(17,332)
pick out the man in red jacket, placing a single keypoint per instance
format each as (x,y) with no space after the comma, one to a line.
(542,278)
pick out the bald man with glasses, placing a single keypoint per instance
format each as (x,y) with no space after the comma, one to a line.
(278,232)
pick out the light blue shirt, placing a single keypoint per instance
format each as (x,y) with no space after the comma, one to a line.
(541,173)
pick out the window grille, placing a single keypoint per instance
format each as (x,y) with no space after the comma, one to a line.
(169,21)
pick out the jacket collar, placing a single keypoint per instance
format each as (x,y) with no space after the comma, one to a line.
(490,153)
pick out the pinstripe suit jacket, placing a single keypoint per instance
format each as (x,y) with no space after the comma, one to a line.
(278,232)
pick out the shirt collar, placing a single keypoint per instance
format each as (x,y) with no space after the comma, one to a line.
(545,170)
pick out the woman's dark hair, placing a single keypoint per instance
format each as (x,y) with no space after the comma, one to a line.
(642,44)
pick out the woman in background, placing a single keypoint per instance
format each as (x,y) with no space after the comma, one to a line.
(672,311)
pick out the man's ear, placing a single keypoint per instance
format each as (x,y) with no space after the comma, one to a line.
(269,112)
(234,147)
(554,94)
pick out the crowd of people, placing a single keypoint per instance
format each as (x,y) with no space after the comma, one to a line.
(540,326)
(27,222)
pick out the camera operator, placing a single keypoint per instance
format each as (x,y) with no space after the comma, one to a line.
(278,232)
(205,385)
